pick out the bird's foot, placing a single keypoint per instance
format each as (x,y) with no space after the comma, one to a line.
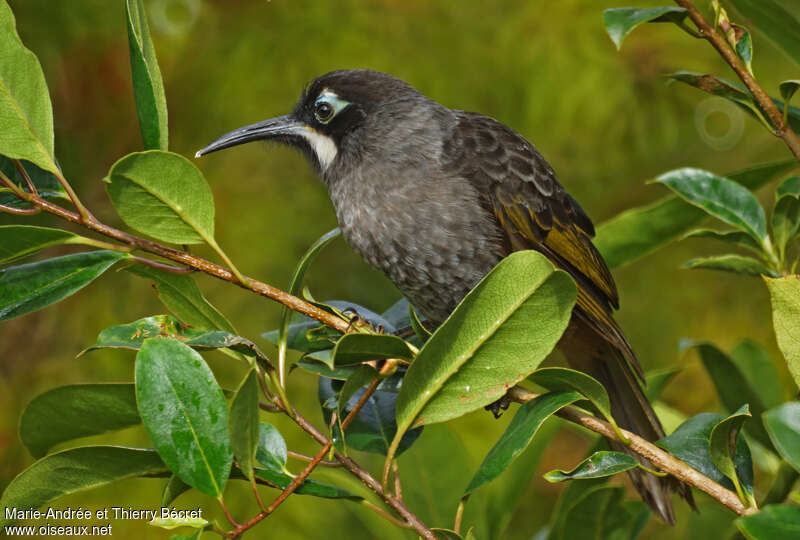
(497,407)
(358,323)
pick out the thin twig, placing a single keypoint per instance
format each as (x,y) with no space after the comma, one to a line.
(25,176)
(655,455)
(86,216)
(782,129)
(386,515)
(19,211)
(225,511)
(303,457)
(398,488)
(161,266)
(256,493)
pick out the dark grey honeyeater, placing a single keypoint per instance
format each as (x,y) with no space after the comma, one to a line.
(435,198)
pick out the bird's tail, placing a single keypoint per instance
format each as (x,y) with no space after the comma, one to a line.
(632,411)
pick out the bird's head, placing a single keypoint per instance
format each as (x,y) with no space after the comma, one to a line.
(330,116)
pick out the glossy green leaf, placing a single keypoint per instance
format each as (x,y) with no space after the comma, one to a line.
(775,522)
(74,470)
(783,426)
(243,424)
(722,445)
(497,336)
(736,94)
(133,335)
(786,213)
(185,413)
(70,412)
(362,377)
(737,264)
(271,451)
(599,464)
(163,195)
(446,534)
(173,489)
(690,443)
(720,197)
(18,241)
(657,380)
(565,379)
(295,286)
(732,238)
(734,388)
(322,367)
(759,369)
(640,231)
(519,434)
(738,37)
(374,427)
(181,295)
(785,294)
(25,110)
(788,89)
(47,185)
(29,287)
(170,523)
(148,88)
(777,24)
(422,333)
(358,348)
(193,536)
(282,480)
(620,22)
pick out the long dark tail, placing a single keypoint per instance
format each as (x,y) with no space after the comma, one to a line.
(632,411)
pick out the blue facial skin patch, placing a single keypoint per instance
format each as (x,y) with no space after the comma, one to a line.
(334,101)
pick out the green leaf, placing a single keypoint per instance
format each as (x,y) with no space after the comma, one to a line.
(788,89)
(398,315)
(446,534)
(182,297)
(737,264)
(163,195)
(783,426)
(18,241)
(497,336)
(785,294)
(734,388)
(282,480)
(185,413)
(519,434)
(271,451)
(148,88)
(74,470)
(422,333)
(786,213)
(359,348)
(193,536)
(133,335)
(323,369)
(777,24)
(362,376)
(173,489)
(657,380)
(738,37)
(719,197)
(170,523)
(775,522)
(599,464)
(598,513)
(25,110)
(762,376)
(295,286)
(723,444)
(640,231)
(565,379)
(243,424)
(732,238)
(374,427)
(70,412)
(690,443)
(738,95)
(29,287)
(620,22)
(46,183)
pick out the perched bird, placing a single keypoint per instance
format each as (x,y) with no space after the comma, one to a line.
(435,198)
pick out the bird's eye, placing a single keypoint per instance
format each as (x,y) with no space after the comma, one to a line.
(323,111)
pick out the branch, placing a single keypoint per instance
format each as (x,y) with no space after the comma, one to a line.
(196,263)
(782,129)
(655,455)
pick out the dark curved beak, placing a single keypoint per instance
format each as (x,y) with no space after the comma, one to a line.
(281,126)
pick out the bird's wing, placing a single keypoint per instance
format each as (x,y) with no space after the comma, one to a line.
(535,212)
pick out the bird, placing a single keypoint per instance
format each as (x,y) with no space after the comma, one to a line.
(435,197)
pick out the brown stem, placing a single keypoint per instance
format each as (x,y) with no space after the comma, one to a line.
(782,129)
(19,211)
(196,263)
(25,176)
(655,455)
(225,511)
(162,266)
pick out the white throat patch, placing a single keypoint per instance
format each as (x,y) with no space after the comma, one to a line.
(323,146)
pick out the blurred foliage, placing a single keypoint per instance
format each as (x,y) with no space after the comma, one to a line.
(606,121)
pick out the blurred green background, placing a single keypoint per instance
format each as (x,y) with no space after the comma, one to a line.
(606,121)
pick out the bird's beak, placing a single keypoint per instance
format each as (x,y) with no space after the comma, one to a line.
(282,126)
